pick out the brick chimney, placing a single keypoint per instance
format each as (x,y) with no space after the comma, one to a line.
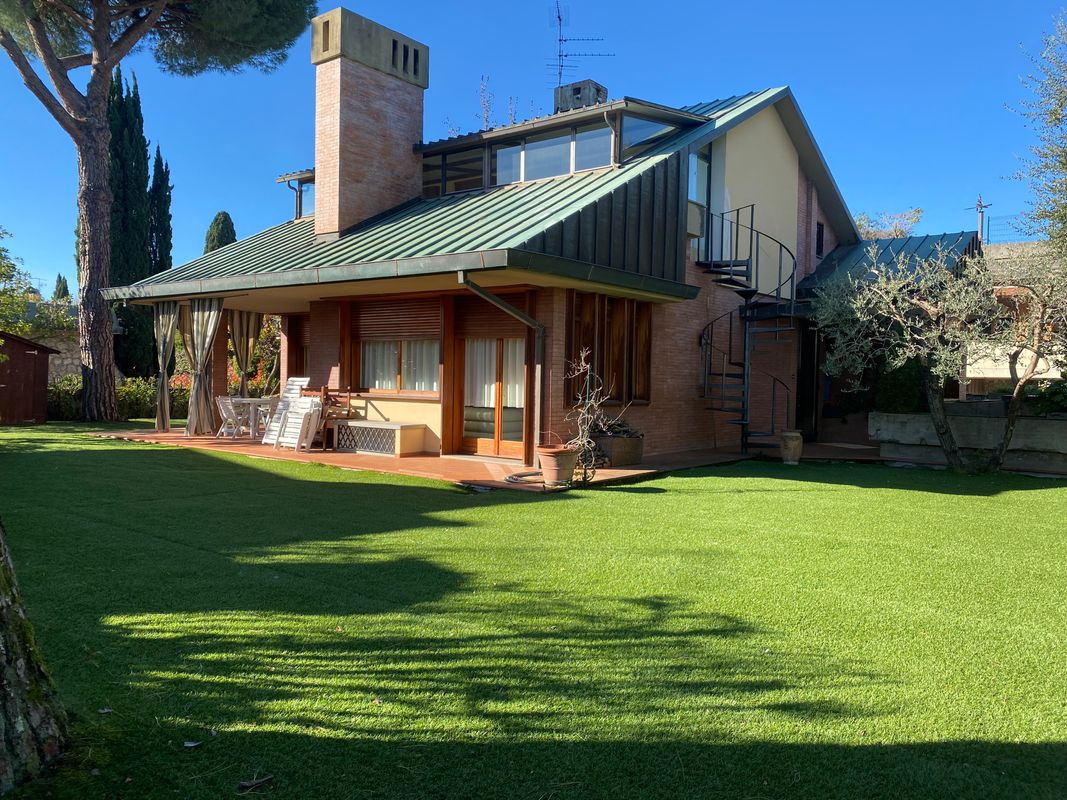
(369,82)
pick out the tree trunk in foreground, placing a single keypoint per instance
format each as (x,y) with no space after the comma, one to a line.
(32,722)
(935,398)
(94,269)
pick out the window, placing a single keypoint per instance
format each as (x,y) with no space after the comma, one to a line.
(547,155)
(699,188)
(544,155)
(592,147)
(640,135)
(820,233)
(409,365)
(618,335)
(506,164)
(463,170)
(432,173)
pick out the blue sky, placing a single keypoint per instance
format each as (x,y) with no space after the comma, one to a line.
(909,102)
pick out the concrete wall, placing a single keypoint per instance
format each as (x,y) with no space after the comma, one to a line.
(1038,444)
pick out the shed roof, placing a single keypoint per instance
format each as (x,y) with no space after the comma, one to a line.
(854,258)
(6,337)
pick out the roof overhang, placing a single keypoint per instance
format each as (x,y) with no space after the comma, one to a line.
(630,105)
(412,274)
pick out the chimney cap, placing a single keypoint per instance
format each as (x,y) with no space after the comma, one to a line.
(580,94)
(343,33)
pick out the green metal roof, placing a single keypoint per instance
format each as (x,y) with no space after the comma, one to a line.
(854,259)
(496,219)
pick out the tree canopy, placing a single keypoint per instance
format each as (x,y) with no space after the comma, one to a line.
(888,225)
(220,233)
(62,291)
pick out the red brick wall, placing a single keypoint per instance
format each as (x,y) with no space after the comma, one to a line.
(284,351)
(366,124)
(678,419)
(324,368)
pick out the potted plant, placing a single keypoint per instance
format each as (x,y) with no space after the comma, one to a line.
(792,445)
(618,441)
(557,463)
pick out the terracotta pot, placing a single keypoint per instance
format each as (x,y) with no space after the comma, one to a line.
(557,464)
(792,445)
(621,451)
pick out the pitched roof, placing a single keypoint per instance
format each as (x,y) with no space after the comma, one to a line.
(6,337)
(855,258)
(496,218)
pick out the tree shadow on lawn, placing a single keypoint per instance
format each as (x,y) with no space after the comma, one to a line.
(289,638)
(525,695)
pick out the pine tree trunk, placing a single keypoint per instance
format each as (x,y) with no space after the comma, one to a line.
(935,398)
(94,270)
(32,722)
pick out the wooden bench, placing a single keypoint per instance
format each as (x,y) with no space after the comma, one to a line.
(381,438)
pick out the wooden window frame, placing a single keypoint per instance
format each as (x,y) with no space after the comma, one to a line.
(601,349)
(400,391)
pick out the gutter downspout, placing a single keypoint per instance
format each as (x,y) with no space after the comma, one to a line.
(539,348)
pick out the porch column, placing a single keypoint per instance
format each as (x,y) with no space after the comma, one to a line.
(202,346)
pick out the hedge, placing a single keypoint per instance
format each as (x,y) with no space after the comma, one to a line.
(136,399)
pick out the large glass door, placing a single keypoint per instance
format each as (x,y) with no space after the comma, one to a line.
(494,396)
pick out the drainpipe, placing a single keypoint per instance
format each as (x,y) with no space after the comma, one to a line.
(539,347)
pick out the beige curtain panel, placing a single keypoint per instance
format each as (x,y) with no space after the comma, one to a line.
(245,327)
(206,313)
(165,322)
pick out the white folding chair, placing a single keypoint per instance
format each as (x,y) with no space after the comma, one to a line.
(298,423)
(232,424)
(290,392)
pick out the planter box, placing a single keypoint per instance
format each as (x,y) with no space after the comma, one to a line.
(621,451)
(1039,443)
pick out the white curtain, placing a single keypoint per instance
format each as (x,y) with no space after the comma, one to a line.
(245,327)
(479,368)
(419,365)
(378,365)
(165,322)
(514,378)
(205,315)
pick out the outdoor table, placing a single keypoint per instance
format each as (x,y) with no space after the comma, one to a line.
(250,407)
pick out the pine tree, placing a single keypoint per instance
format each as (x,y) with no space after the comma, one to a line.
(160,233)
(130,257)
(184,39)
(220,233)
(62,291)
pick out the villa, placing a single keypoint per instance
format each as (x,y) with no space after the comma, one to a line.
(448,284)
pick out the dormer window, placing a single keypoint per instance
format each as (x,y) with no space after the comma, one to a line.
(537,156)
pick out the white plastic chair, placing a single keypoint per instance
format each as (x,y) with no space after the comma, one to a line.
(232,423)
(298,424)
(290,392)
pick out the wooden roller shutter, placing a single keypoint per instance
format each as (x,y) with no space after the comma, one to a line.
(397,319)
(297,330)
(475,318)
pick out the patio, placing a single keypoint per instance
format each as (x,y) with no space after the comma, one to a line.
(489,473)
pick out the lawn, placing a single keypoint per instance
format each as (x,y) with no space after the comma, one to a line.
(748,631)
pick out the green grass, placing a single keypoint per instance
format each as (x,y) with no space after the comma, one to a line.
(751,631)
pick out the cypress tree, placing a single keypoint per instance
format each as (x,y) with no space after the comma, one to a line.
(62,291)
(130,257)
(220,233)
(159,228)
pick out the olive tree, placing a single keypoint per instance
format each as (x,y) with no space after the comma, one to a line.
(936,311)
(77,45)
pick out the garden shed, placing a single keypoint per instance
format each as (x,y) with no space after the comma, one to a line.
(23,380)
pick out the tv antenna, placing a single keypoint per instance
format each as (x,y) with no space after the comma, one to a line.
(980,207)
(560,20)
